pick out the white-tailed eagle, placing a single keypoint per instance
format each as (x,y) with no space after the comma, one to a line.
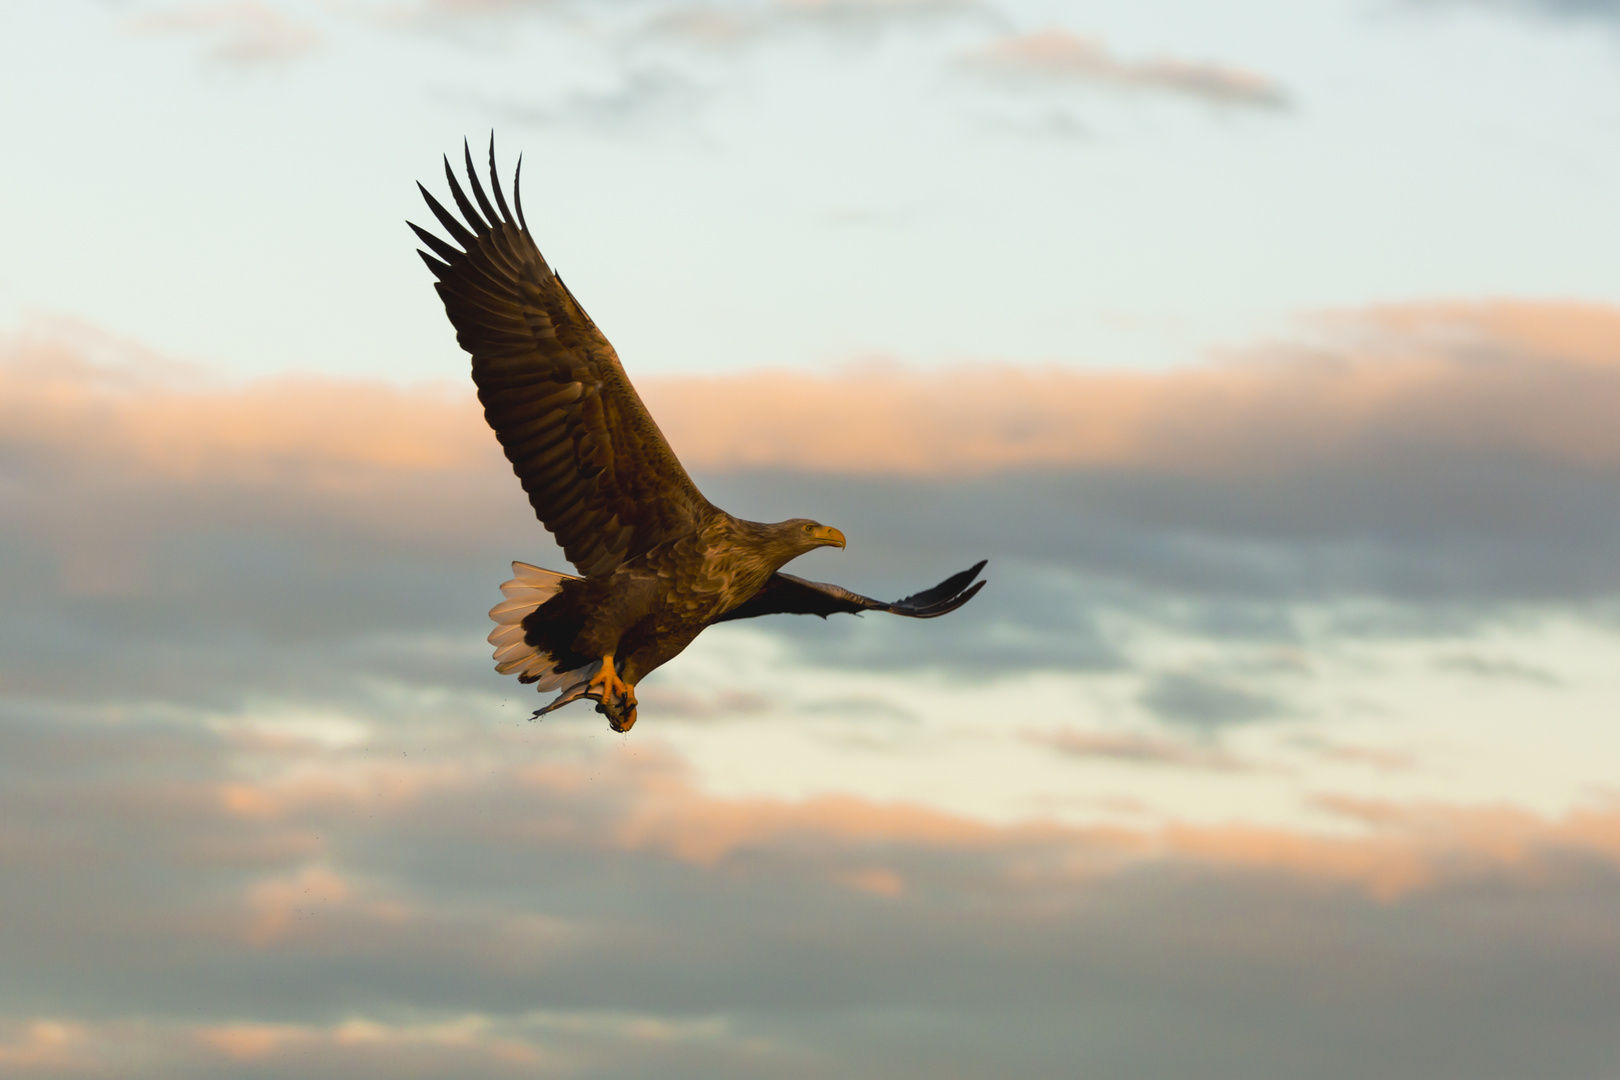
(657,561)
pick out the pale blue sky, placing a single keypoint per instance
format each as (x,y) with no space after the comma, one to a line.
(820,188)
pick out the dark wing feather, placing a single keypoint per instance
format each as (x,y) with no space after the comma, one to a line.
(785,594)
(599,473)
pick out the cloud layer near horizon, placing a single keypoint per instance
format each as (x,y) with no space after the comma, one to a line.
(1460,453)
(1531,380)
(265,805)
(444,894)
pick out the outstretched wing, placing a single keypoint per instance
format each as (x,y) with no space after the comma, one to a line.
(784,594)
(599,473)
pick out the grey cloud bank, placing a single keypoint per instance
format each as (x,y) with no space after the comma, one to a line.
(235,538)
(1597,9)
(264,806)
(494,900)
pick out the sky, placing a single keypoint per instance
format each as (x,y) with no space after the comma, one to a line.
(1268,352)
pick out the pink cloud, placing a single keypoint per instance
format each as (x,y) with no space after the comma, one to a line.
(1056,55)
(44,1045)
(1533,378)
(276,902)
(239,32)
(468,1042)
(249,1042)
(1541,379)
(1394,848)
(640,800)
(136,417)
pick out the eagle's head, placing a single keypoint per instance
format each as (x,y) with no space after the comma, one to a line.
(775,545)
(792,538)
(813,534)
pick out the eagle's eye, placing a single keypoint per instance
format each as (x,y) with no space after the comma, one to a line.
(808,527)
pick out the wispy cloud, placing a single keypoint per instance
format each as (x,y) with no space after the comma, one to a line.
(1204,702)
(1137,748)
(1566,9)
(642,99)
(242,33)
(707,26)
(873,13)
(699,23)
(1056,56)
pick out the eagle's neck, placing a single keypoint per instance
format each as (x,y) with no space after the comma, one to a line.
(744,554)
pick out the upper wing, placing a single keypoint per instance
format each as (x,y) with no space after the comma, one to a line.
(789,595)
(599,473)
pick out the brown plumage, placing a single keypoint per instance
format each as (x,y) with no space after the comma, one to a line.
(658,561)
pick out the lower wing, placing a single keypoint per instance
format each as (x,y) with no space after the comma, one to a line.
(785,594)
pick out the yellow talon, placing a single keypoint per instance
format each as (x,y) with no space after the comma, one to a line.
(615,697)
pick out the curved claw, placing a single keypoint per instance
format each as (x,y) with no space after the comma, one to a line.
(619,718)
(614,697)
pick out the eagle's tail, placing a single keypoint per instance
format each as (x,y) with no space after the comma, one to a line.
(530,588)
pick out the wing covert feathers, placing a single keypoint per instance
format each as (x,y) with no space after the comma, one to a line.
(598,472)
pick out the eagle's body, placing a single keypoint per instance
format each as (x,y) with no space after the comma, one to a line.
(658,561)
(653,606)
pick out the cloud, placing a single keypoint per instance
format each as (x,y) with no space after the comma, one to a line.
(1535,381)
(501,899)
(705,24)
(1055,56)
(1139,749)
(1436,466)
(1493,667)
(1604,9)
(241,33)
(869,15)
(684,704)
(642,96)
(1206,702)
(261,806)
(1569,9)
(141,422)
(41,1044)
(448,11)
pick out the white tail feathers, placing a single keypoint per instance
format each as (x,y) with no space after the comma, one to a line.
(530,587)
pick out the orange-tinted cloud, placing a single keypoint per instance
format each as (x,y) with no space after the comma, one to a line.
(511,868)
(248,1042)
(1541,379)
(136,416)
(1538,379)
(44,1045)
(239,32)
(1056,55)
(1388,850)
(641,801)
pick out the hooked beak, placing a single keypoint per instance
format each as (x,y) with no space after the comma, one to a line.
(828,535)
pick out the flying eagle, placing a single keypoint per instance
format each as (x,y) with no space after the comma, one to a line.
(657,561)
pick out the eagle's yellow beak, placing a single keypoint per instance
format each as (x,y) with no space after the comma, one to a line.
(828,535)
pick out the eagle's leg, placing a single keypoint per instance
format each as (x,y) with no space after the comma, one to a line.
(616,698)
